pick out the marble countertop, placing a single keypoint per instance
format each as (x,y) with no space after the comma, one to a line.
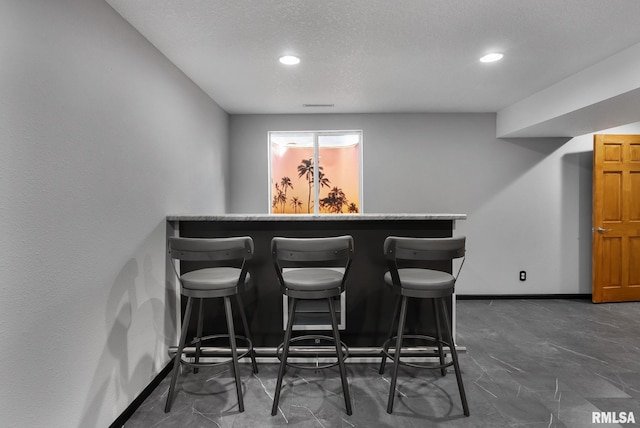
(311,217)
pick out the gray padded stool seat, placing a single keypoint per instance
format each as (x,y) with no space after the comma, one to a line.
(410,279)
(312,268)
(228,276)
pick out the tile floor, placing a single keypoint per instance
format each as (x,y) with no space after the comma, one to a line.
(528,363)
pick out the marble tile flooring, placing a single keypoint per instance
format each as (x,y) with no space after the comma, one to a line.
(528,363)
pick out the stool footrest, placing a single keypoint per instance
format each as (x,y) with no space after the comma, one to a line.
(209,351)
(417,353)
(314,350)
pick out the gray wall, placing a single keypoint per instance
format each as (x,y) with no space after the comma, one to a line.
(528,201)
(100,138)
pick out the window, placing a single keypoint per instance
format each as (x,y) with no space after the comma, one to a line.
(298,187)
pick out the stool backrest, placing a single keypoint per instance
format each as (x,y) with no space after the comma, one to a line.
(304,251)
(312,252)
(211,249)
(402,252)
(213,252)
(426,249)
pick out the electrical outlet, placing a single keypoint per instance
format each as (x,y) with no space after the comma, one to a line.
(523,275)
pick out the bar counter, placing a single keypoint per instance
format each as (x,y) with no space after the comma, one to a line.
(368,302)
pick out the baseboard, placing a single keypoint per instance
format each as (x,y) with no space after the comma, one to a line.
(129,411)
(586,296)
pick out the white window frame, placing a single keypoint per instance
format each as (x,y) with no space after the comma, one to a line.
(316,194)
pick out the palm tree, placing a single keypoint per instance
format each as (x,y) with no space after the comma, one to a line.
(285,182)
(324,181)
(335,200)
(305,169)
(353,208)
(296,203)
(274,201)
(279,198)
(282,200)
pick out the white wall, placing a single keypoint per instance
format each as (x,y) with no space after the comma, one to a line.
(528,201)
(100,138)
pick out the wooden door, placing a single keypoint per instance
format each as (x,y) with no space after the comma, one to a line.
(616,218)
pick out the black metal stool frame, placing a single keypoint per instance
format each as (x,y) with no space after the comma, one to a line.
(310,253)
(398,250)
(218,251)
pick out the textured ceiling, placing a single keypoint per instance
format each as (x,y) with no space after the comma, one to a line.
(368,56)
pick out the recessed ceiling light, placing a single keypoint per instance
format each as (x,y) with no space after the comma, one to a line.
(491,57)
(289,60)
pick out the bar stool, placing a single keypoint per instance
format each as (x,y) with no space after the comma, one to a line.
(409,278)
(228,276)
(312,268)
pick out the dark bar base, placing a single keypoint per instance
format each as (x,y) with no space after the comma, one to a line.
(369,302)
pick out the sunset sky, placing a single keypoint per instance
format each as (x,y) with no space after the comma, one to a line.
(340,166)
